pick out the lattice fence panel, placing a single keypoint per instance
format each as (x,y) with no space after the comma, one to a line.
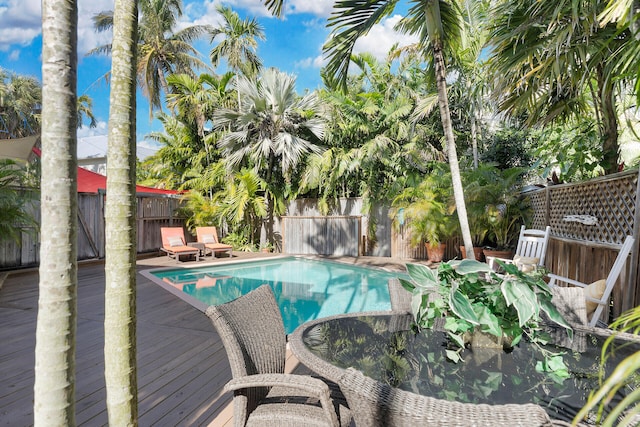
(539,205)
(612,200)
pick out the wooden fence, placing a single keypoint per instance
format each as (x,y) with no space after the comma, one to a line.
(586,252)
(154,211)
(323,235)
(580,251)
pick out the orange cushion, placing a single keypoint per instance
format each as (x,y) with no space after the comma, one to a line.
(594,290)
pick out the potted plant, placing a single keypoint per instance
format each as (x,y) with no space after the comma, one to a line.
(506,210)
(472,301)
(425,209)
(266,247)
(475,182)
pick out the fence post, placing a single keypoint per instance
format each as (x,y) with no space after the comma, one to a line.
(631,293)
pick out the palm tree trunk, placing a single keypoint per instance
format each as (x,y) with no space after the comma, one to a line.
(54,389)
(434,28)
(609,124)
(120,231)
(474,140)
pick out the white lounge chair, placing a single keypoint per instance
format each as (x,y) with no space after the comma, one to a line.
(531,249)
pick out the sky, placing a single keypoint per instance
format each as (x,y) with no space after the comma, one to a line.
(293,44)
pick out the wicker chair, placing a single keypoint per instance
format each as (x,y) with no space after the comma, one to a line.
(399,297)
(376,404)
(253,335)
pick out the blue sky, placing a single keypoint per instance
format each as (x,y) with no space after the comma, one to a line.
(293,44)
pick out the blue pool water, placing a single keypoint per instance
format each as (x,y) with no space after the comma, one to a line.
(305,289)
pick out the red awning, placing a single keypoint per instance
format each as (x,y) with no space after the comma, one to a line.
(91,182)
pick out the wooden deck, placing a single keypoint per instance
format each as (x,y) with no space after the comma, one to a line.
(182,365)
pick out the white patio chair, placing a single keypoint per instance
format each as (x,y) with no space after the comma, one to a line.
(531,249)
(597,294)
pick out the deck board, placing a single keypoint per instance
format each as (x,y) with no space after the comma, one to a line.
(181,363)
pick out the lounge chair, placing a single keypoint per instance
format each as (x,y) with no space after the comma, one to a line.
(597,293)
(252,332)
(531,249)
(173,243)
(209,237)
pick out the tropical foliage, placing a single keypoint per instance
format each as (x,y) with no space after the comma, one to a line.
(244,142)
(20,102)
(160,50)
(14,200)
(472,298)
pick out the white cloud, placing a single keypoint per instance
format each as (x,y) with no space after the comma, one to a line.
(87,132)
(14,55)
(200,13)
(256,8)
(315,7)
(382,37)
(88,38)
(20,23)
(309,62)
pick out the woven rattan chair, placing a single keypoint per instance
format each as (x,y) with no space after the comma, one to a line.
(253,335)
(399,297)
(376,404)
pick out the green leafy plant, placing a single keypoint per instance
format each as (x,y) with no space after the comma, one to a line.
(14,202)
(625,413)
(426,208)
(494,204)
(471,298)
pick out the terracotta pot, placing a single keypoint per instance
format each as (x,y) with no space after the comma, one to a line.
(477,250)
(435,252)
(504,254)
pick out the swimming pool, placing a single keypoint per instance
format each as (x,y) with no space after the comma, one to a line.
(305,289)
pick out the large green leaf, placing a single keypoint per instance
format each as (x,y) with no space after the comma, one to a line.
(468,266)
(547,306)
(522,297)
(408,285)
(461,306)
(422,276)
(489,321)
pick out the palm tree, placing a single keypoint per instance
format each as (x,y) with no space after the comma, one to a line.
(624,13)
(195,100)
(160,51)
(20,101)
(239,44)
(438,24)
(85,109)
(273,131)
(555,61)
(54,389)
(120,226)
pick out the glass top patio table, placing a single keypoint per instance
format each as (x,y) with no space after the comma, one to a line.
(384,346)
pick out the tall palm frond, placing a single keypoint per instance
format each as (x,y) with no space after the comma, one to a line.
(239,42)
